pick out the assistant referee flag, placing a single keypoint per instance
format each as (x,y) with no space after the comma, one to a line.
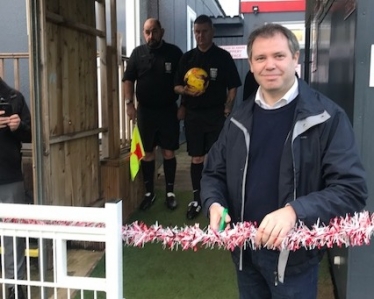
(137,152)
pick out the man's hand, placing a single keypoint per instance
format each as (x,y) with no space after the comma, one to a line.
(184,90)
(14,122)
(275,226)
(227,111)
(215,214)
(131,111)
(4,120)
(228,106)
(191,93)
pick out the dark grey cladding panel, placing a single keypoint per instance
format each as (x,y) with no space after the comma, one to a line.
(228,26)
(228,31)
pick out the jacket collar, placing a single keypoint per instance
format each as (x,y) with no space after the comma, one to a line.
(308,103)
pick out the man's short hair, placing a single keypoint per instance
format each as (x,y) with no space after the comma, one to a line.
(269,30)
(203,19)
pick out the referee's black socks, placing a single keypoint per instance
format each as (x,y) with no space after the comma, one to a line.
(148,168)
(170,167)
(196,171)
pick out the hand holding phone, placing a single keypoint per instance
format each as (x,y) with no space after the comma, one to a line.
(7,108)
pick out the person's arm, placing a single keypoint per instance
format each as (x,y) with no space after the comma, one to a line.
(230,100)
(342,175)
(128,91)
(181,113)
(178,79)
(233,82)
(130,76)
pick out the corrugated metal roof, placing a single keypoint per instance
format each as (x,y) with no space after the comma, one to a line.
(228,20)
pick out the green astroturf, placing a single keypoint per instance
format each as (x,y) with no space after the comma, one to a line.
(152,272)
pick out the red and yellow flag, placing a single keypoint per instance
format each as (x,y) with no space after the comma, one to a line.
(137,152)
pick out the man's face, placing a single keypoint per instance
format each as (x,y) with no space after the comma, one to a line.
(152,34)
(273,65)
(203,35)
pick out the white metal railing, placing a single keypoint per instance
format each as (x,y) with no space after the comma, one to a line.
(90,224)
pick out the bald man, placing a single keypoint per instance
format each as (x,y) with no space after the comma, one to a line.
(152,66)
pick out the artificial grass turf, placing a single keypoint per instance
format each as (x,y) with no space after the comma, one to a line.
(152,272)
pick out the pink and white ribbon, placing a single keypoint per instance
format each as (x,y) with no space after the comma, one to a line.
(346,231)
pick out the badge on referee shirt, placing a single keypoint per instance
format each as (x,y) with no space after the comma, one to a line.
(168,67)
(213,73)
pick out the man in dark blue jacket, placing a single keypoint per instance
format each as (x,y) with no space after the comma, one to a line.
(288,154)
(15,128)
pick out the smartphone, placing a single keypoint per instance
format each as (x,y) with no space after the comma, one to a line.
(7,108)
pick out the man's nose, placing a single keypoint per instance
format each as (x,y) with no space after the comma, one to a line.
(270,63)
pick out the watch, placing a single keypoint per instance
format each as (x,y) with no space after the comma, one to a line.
(128,101)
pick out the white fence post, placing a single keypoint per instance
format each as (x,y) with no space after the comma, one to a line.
(113,252)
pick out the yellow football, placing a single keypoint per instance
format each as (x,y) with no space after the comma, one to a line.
(196,79)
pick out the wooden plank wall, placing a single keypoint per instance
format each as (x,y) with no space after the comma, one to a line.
(70,105)
(72,166)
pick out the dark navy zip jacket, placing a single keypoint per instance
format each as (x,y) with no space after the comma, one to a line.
(321,175)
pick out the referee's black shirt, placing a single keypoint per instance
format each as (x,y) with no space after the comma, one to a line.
(154,70)
(222,72)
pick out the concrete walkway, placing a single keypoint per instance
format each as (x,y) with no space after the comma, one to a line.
(182,178)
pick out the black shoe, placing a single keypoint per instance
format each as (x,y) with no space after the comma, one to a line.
(193,210)
(148,200)
(12,293)
(170,201)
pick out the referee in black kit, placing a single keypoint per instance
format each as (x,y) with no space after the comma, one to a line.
(152,66)
(205,111)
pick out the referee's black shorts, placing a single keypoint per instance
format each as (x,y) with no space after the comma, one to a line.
(159,127)
(200,134)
